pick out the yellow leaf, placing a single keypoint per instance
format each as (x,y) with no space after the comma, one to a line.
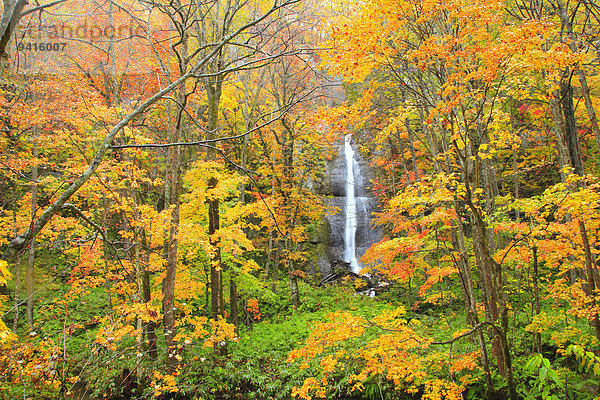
(5,274)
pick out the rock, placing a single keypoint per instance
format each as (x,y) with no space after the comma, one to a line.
(330,235)
(340,269)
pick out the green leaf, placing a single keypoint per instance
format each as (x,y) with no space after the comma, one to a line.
(546,363)
(554,376)
(543,374)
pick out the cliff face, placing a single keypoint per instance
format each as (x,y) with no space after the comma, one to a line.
(333,189)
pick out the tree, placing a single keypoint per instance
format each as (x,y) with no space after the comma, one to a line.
(192,64)
(438,81)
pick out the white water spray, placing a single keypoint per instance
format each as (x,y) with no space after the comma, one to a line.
(351,222)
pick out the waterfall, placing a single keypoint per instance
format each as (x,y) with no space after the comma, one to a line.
(351,220)
(346,188)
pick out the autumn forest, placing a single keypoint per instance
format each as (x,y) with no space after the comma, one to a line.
(300,199)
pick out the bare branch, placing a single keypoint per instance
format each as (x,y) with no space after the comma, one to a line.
(469,332)
(41,7)
(21,241)
(205,143)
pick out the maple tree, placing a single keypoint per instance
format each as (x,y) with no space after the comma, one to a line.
(438,80)
(114,200)
(162,178)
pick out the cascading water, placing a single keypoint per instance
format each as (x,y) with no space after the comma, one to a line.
(347,189)
(351,220)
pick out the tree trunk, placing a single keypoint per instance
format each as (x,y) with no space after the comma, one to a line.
(137,262)
(17,272)
(174,185)
(495,299)
(11,15)
(270,250)
(150,327)
(294,291)
(216,274)
(412,150)
(585,89)
(105,257)
(275,269)
(572,136)
(29,274)
(496,303)
(213,91)
(560,130)
(471,303)
(489,289)
(269,255)
(536,295)
(516,178)
(168,283)
(233,302)
(592,284)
